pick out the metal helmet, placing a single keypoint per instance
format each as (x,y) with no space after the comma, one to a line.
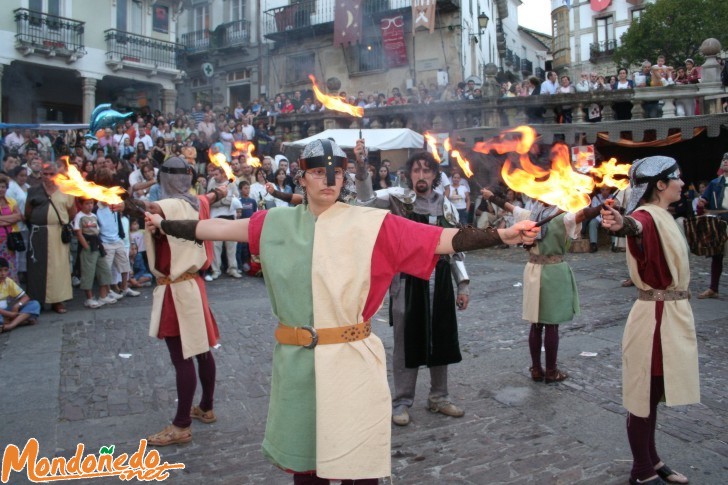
(326,154)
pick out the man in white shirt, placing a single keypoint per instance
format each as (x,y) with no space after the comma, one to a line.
(248,129)
(550,85)
(224,208)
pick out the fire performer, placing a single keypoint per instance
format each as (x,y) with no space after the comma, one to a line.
(659,347)
(329,409)
(180,312)
(550,295)
(424,321)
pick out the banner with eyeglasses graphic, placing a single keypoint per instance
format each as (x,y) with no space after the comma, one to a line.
(393,40)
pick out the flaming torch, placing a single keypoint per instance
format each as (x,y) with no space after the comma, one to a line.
(432,143)
(335,103)
(561,186)
(462,161)
(219,160)
(246,148)
(73,183)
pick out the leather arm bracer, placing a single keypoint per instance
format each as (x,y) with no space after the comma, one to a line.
(184,229)
(469,238)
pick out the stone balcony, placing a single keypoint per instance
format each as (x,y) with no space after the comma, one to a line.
(475,119)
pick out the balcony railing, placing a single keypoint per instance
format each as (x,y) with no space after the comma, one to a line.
(306,14)
(38,31)
(235,33)
(196,41)
(602,49)
(136,50)
(624,110)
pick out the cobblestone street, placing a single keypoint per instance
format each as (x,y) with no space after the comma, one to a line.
(69,380)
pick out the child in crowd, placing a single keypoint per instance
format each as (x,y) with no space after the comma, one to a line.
(139,276)
(93,264)
(136,236)
(249,205)
(23,310)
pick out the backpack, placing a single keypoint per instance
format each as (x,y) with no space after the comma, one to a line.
(706,235)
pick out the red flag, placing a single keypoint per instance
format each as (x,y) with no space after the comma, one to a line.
(347,22)
(393,40)
(423,15)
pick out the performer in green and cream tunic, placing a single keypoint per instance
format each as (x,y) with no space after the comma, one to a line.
(327,267)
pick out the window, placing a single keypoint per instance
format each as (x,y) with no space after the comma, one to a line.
(367,56)
(51,7)
(605,31)
(298,67)
(201,18)
(129,16)
(237,10)
(637,14)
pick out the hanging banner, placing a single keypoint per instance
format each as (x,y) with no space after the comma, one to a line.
(423,15)
(393,40)
(583,158)
(599,5)
(347,22)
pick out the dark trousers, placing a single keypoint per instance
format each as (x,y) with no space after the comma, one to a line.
(187,380)
(716,268)
(551,344)
(313,479)
(641,434)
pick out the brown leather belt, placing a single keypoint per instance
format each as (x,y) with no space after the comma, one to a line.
(663,295)
(544,259)
(309,337)
(164,280)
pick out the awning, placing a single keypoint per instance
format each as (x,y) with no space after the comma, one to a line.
(376,139)
(44,126)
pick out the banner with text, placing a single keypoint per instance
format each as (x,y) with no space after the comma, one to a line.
(393,40)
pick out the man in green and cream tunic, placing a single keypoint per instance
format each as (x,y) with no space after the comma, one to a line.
(329,413)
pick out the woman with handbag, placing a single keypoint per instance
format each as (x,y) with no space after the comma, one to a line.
(9,218)
(47,211)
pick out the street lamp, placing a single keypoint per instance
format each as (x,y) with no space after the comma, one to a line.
(482,21)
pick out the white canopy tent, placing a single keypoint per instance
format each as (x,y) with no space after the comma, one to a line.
(379,139)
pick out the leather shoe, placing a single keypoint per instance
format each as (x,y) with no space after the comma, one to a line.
(536,373)
(445,407)
(653,481)
(400,416)
(555,376)
(593,248)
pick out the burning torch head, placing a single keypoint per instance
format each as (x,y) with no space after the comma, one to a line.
(644,175)
(326,154)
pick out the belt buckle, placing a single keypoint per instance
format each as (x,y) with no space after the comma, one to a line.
(314,337)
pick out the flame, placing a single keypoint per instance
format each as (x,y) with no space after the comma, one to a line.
(219,160)
(504,143)
(564,187)
(432,146)
(246,148)
(73,183)
(607,172)
(335,103)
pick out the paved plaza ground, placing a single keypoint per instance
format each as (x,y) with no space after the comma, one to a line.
(95,377)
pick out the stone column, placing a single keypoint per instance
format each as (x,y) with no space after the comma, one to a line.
(88,87)
(169,101)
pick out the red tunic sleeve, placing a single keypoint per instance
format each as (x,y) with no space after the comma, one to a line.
(255,229)
(402,246)
(653,270)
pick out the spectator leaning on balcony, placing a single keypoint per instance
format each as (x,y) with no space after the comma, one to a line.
(565,88)
(660,72)
(623,110)
(644,79)
(549,86)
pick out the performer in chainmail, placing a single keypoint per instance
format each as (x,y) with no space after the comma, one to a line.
(422,312)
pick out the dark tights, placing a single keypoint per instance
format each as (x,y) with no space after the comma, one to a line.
(187,381)
(641,434)
(313,479)
(550,343)
(716,268)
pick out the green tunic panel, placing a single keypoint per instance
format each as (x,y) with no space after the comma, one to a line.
(286,250)
(558,296)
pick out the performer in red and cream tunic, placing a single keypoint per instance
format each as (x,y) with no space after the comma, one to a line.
(659,347)
(329,414)
(180,313)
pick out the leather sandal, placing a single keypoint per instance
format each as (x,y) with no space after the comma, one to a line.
(671,476)
(652,481)
(445,407)
(708,294)
(59,308)
(536,374)
(171,435)
(554,376)
(206,417)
